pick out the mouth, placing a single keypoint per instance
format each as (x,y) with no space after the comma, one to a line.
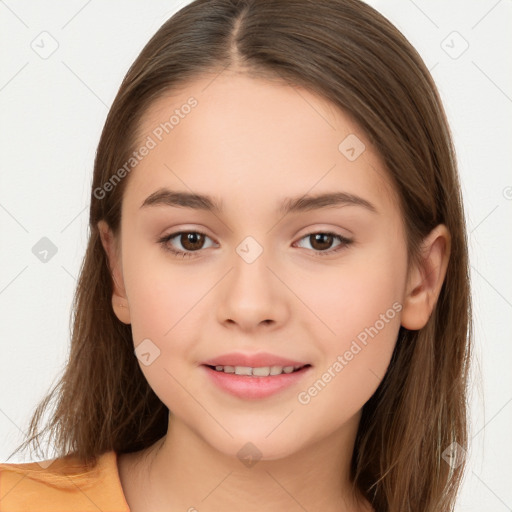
(258,371)
(255,382)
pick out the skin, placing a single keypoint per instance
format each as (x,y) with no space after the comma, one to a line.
(251,143)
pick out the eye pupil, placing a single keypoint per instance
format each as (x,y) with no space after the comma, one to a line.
(323,239)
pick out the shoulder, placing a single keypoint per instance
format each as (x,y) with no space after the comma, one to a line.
(62,484)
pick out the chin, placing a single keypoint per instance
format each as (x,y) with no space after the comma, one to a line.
(252,445)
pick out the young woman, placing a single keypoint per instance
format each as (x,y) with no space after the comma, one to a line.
(273,311)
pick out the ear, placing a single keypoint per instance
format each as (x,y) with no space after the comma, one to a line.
(119,298)
(426,279)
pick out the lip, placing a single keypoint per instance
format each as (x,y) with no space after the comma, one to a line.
(251,387)
(253,360)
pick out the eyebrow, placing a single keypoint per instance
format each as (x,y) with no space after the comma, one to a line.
(197,201)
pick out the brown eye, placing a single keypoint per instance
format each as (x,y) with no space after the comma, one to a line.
(184,243)
(192,241)
(321,241)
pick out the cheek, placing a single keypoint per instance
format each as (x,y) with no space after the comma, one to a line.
(359,307)
(163,297)
(352,296)
(165,308)
(353,362)
(164,320)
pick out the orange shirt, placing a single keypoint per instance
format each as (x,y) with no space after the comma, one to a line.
(62,485)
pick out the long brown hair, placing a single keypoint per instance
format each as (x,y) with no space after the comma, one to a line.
(351,55)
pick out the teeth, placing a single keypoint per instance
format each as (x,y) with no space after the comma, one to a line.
(263,371)
(276,370)
(243,370)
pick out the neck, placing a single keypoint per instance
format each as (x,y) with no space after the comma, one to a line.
(183,472)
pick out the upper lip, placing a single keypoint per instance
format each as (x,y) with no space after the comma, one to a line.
(258,360)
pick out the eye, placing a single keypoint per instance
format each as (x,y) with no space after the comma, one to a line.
(323,240)
(191,241)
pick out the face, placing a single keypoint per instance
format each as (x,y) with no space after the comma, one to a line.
(317,286)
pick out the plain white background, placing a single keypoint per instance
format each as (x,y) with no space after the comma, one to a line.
(52,111)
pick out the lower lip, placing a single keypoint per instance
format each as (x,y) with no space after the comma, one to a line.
(248,387)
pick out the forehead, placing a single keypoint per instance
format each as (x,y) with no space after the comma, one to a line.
(254,138)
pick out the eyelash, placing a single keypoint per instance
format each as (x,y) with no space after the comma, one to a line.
(345,242)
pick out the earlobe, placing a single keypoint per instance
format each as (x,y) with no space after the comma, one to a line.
(426,279)
(119,298)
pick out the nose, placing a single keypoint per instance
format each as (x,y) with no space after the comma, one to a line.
(252,297)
